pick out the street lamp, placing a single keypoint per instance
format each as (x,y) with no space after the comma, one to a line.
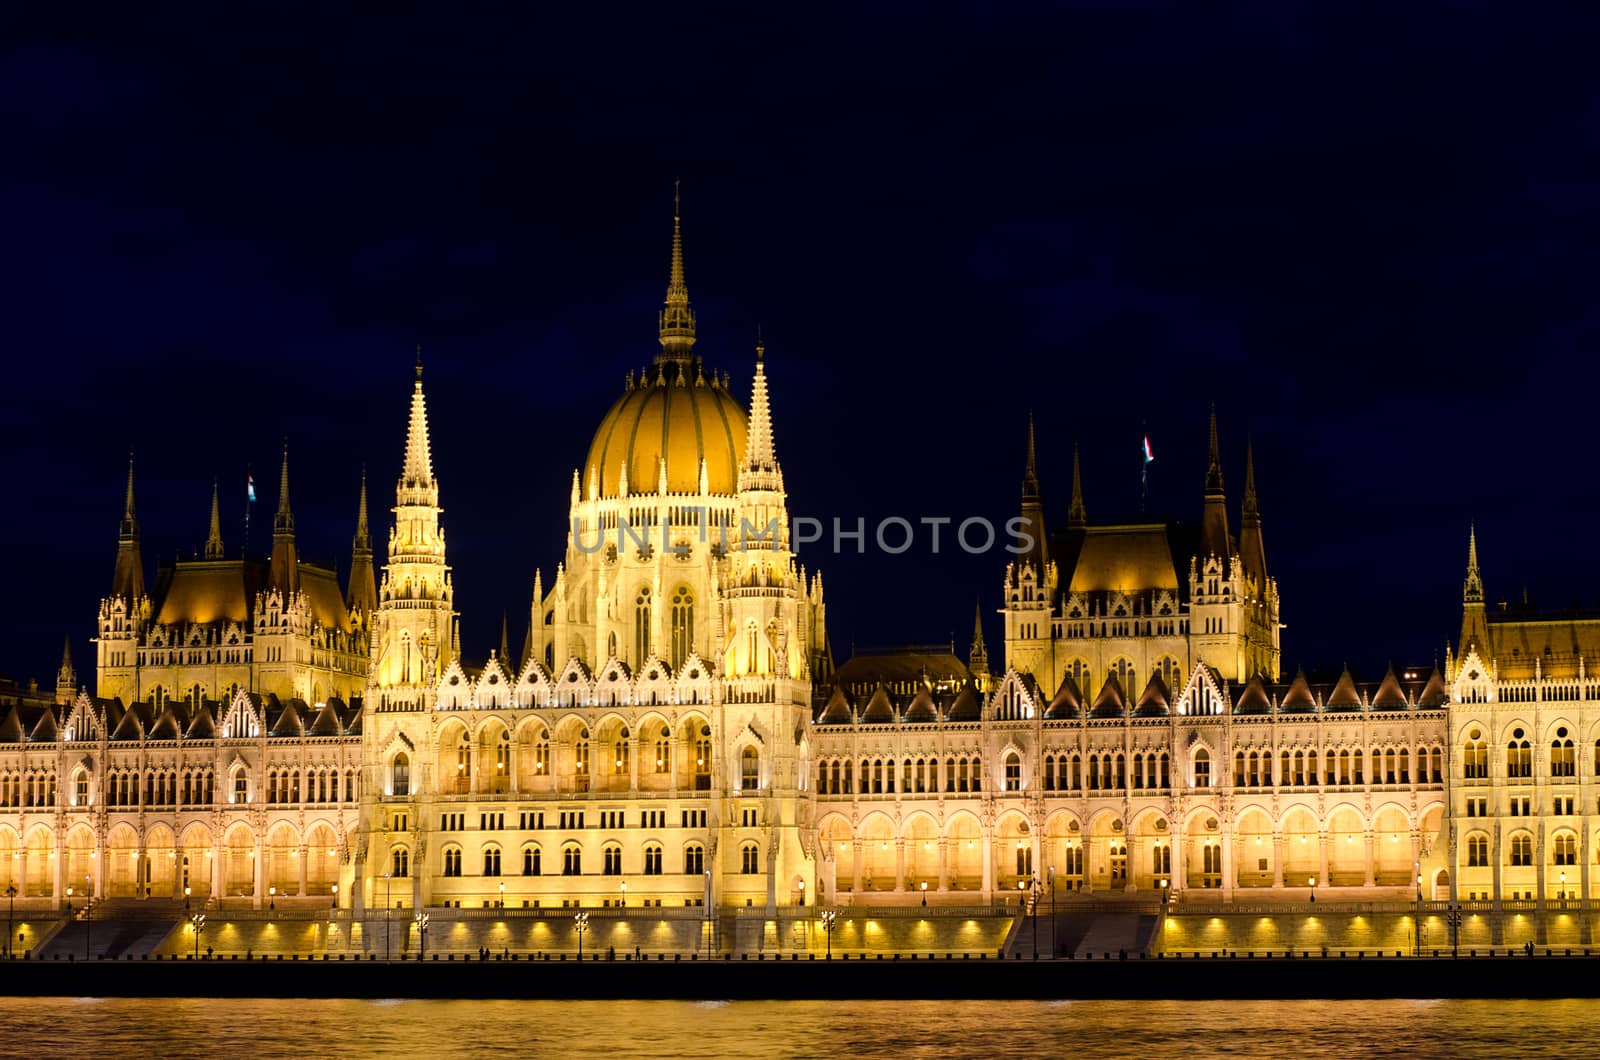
(1024,893)
(186,897)
(1453,918)
(198,920)
(334,904)
(422,936)
(624,898)
(1166,893)
(828,917)
(802,894)
(1312,883)
(69,901)
(11,906)
(88,917)
(1051,873)
(581,920)
(502,894)
(924,892)
(272,898)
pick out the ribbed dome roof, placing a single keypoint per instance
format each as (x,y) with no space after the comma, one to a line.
(678,413)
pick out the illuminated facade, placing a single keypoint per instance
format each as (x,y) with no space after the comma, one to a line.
(1214,777)
(674,732)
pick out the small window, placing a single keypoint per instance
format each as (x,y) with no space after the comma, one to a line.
(749,855)
(694,859)
(452,861)
(491,861)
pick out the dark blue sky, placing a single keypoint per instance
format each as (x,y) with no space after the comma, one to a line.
(1368,235)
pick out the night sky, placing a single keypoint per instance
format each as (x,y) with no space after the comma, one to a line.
(1369,236)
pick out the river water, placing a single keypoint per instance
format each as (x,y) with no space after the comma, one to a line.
(351,1030)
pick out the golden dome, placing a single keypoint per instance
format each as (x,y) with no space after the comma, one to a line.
(686,422)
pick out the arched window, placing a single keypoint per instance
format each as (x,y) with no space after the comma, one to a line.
(622,753)
(694,859)
(1565,850)
(1478,851)
(530,861)
(400,775)
(1475,757)
(1563,756)
(502,761)
(748,858)
(641,626)
(1519,757)
(612,860)
(241,786)
(1521,849)
(682,625)
(652,860)
(1013,772)
(452,861)
(1049,772)
(749,769)
(664,751)
(491,861)
(1202,768)
(571,860)
(400,863)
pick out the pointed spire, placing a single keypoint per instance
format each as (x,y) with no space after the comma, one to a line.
(214,538)
(1030,471)
(760,457)
(283,522)
(1251,512)
(1214,470)
(505,640)
(1077,516)
(1472,588)
(676,321)
(361,594)
(127,580)
(1252,550)
(284,569)
(417,471)
(66,678)
(979,652)
(1215,539)
(1032,522)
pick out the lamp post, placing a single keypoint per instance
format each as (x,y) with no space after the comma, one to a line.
(186,898)
(11,906)
(272,898)
(1051,873)
(198,922)
(1452,917)
(1312,883)
(1166,893)
(828,917)
(1418,866)
(69,901)
(803,894)
(422,936)
(581,920)
(1025,894)
(88,917)
(334,903)
(386,915)
(502,894)
(623,901)
(924,893)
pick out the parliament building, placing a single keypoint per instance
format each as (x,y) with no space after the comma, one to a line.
(675,732)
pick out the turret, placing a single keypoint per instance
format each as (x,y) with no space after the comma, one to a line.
(1474,622)
(128,579)
(978,658)
(66,677)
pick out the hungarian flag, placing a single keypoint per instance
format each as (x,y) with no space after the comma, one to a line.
(1148,455)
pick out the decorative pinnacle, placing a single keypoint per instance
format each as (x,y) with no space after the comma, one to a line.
(417,472)
(363,539)
(1030,473)
(129,528)
(1472,590)
(419,362)
(760,454)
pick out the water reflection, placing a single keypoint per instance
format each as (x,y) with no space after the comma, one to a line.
(352,1030)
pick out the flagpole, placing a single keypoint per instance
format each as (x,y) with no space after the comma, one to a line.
(249,495)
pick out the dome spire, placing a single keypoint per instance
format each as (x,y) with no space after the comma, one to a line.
(676,321)
(128,579)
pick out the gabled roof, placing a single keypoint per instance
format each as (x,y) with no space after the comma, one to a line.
(1433,693)
(167,727)
(1344,695)
(879,710)
(967,705)
(1253,700)
(838,710)
(11,728)
(1299,700)
(326,723)
(1110,703)
(128,728)
(1156,699)
(1068,702)
(1390,696)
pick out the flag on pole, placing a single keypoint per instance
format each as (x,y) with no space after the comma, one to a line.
(1148,455)
(250,485)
